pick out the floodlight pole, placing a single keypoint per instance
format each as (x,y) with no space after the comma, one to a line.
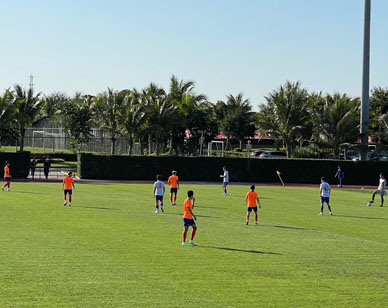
(364,120)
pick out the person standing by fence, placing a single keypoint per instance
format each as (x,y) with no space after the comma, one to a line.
(46,167)
(32,168)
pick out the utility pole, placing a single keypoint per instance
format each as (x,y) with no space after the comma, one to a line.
(364,120)
(31,82)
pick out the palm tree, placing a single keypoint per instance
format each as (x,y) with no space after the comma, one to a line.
(107,112)
(7,112)
(161,114)
(50,107)
(238,121)
(287,110)
(192,113)
(133,116)
(6,108)
(315,109)
(378,113)
(341,120)
(179,88)
(27,108)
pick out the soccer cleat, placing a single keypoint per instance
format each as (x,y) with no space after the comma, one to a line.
(246,223)
(69,204)
(381,205)
(8,190)
(370,203)
(161,208)
(192,243)
(65,203)
(331,214)
(2,188)
(256,223)
(320,214)
(185,244)
(156,211)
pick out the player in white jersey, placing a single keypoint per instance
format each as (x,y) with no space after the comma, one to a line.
(380,190)
(159,193)
(324,193)
(225,182)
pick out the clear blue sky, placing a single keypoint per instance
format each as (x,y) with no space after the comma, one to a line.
(225,46)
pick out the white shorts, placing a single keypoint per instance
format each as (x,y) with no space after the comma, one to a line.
(381,192)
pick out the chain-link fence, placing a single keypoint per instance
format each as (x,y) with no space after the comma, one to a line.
(56,139)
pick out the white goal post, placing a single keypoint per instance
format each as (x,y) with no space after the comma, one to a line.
(219,145)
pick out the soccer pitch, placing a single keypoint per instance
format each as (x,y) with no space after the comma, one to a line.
(110,250)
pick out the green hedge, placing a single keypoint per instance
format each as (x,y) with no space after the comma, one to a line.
(20,163)
(117,167)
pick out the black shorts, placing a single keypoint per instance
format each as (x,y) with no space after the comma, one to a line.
(188,222)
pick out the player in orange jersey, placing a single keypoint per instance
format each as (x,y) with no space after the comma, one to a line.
(67,187)
(174,186)
(7,177)
(251,199)
(188,219)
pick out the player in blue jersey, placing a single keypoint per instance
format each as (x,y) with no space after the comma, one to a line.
(225,181)
(340,174)
(324,193)
(159,193)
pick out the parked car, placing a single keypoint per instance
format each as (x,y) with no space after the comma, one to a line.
(273,154)
(383,156)
(256,153)
(352,154)
(371,156)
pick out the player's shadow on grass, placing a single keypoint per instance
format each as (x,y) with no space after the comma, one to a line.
(29,192)
(289,227)
(208,207)
(96,208)
(363,217)
(242,250)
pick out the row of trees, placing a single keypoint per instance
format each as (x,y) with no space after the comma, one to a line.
(175,120)
(292,115)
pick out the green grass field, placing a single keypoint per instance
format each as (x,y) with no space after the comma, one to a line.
(110,250)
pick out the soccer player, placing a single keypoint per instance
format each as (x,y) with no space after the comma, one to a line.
(324,192)
(174,186)
(158,193)
(67,187)
(340,174)
(46,167)
(380,190)
(225,182)
(250,200)
(188,219)
(7,177)
(32,167)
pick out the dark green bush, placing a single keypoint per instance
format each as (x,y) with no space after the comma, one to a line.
(20,163)
(307,152)
(110,167)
